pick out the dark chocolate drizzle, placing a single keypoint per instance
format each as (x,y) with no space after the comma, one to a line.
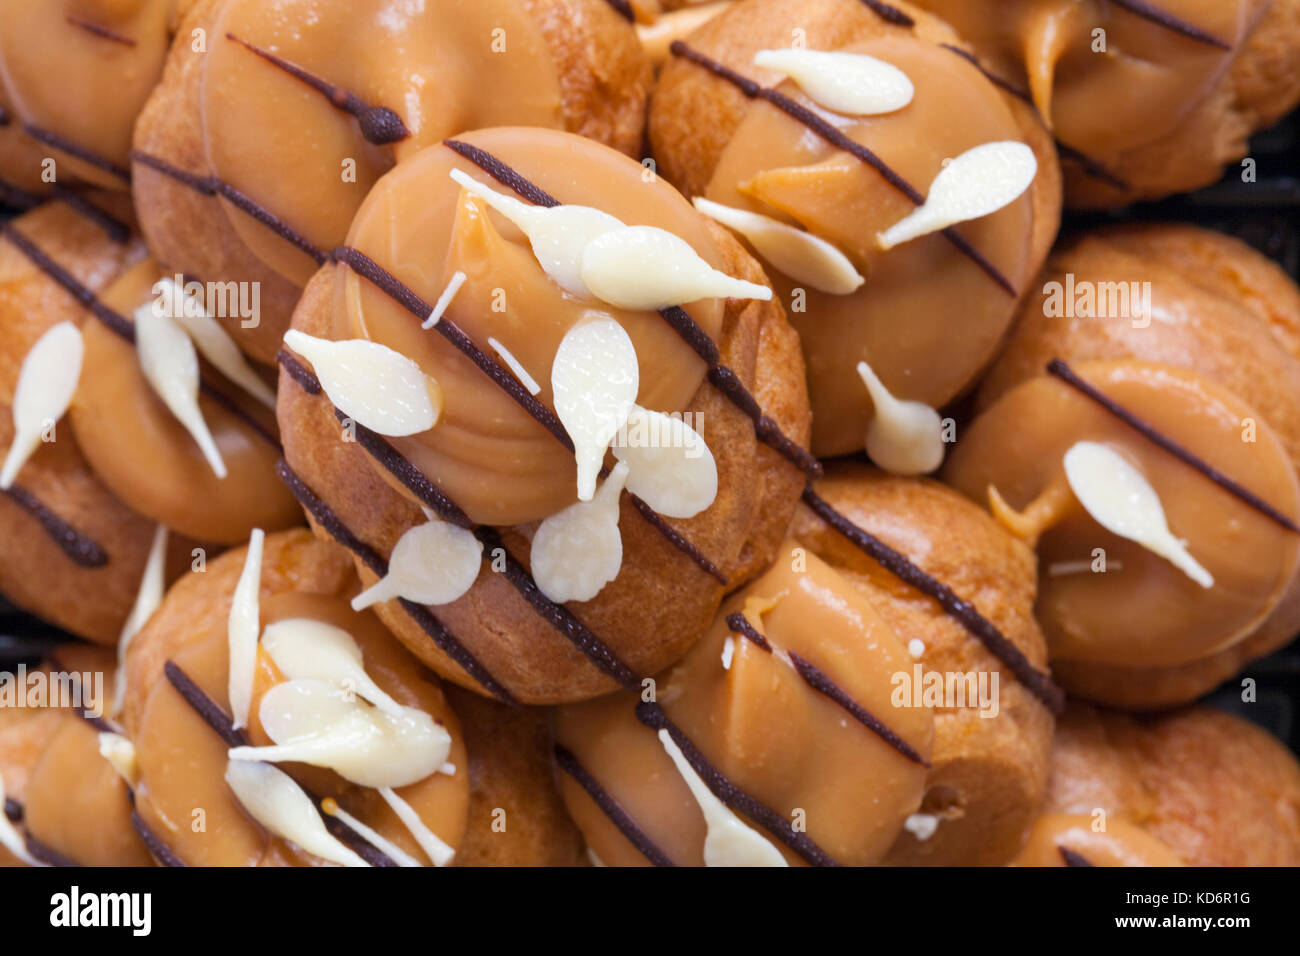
(13,810)
(104,33)
(1066,374)
(80,548)
(839,140)
(821,682)
(379,125)
(624,9)
(652,715)
(1092,167)
(116,229)
(217,719)
(17,197)
(1073,859)
(611,808)
(889,13)
(55,141)
(1163,18)
(48,855)
(4,117)
(1037,682)
(69,282)
(443,638)
(678,540)
(154,843)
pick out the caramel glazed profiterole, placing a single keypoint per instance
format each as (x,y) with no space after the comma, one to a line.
(310,735)
(831,192)
(1145,97)
(271,122)
(1184,402)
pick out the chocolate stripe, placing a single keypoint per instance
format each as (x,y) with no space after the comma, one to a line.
(13,810)
(17,197)
(653,716)
(116,230)
(610,807)
(72,149)
(890,14)
(1037,682)
(379,125)
(739,624)
(102,32)
(441,637)
(624,9)
(1163,18)
(1074,859)
(81,549)
(678,540)
(154,843)
(1152,434)
(69,282)
(1092,167)
(47,854)
(839,140)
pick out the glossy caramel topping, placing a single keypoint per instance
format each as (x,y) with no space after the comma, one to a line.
(917,296)
(146,456)
(486,452)
(1107,599)
(79,72)
(1063,839)
(773,697)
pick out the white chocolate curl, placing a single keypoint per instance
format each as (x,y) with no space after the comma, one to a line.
(147,599)
(46,383)
(977,183)
(806,258)
(120,754)
(670,466)
(904,437)
(306,649)
(1123,502)
(212,340)
(643,267)
(330,807)
(171,367)
(372,384)
(577,551)
(850,83)
(730,841)
(437,851)
(10,838)
(594,381)
(275,800)
(432,563)
(242,627)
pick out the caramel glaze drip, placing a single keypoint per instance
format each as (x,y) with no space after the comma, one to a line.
(102,32)
(1061,370)
(611,808)
(379,125)
(223,726)
(1073,859)
(839,140)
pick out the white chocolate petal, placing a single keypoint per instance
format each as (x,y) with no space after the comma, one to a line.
(444,300)
(977,183)
(558,234)
(306,649)
(373,385)
(10,838)
(432,563)
(275,800)
(806,258)
(213,341)
(515,366)
(1122,501)
(330,807)
(850,83)
(594,381)
(147,599)
(120,753)
(171,367)
(922,825)
(670,466)
(904,437)
(242,628)
(47,381)
(730,841)
(313,722)
(579,550)
(437,851)
(644,267)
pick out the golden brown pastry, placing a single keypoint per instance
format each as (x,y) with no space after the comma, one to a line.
(329,110)
(926,314)
(364,731)
(1188,332)
(1145,99)
(499,460)
(991,741)
(1196,786)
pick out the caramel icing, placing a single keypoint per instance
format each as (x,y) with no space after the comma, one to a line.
(108,55)
(1142,611)
(487,453)
(795,724)
(1063,839)
(148,459)
(169,731)
(773,167)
